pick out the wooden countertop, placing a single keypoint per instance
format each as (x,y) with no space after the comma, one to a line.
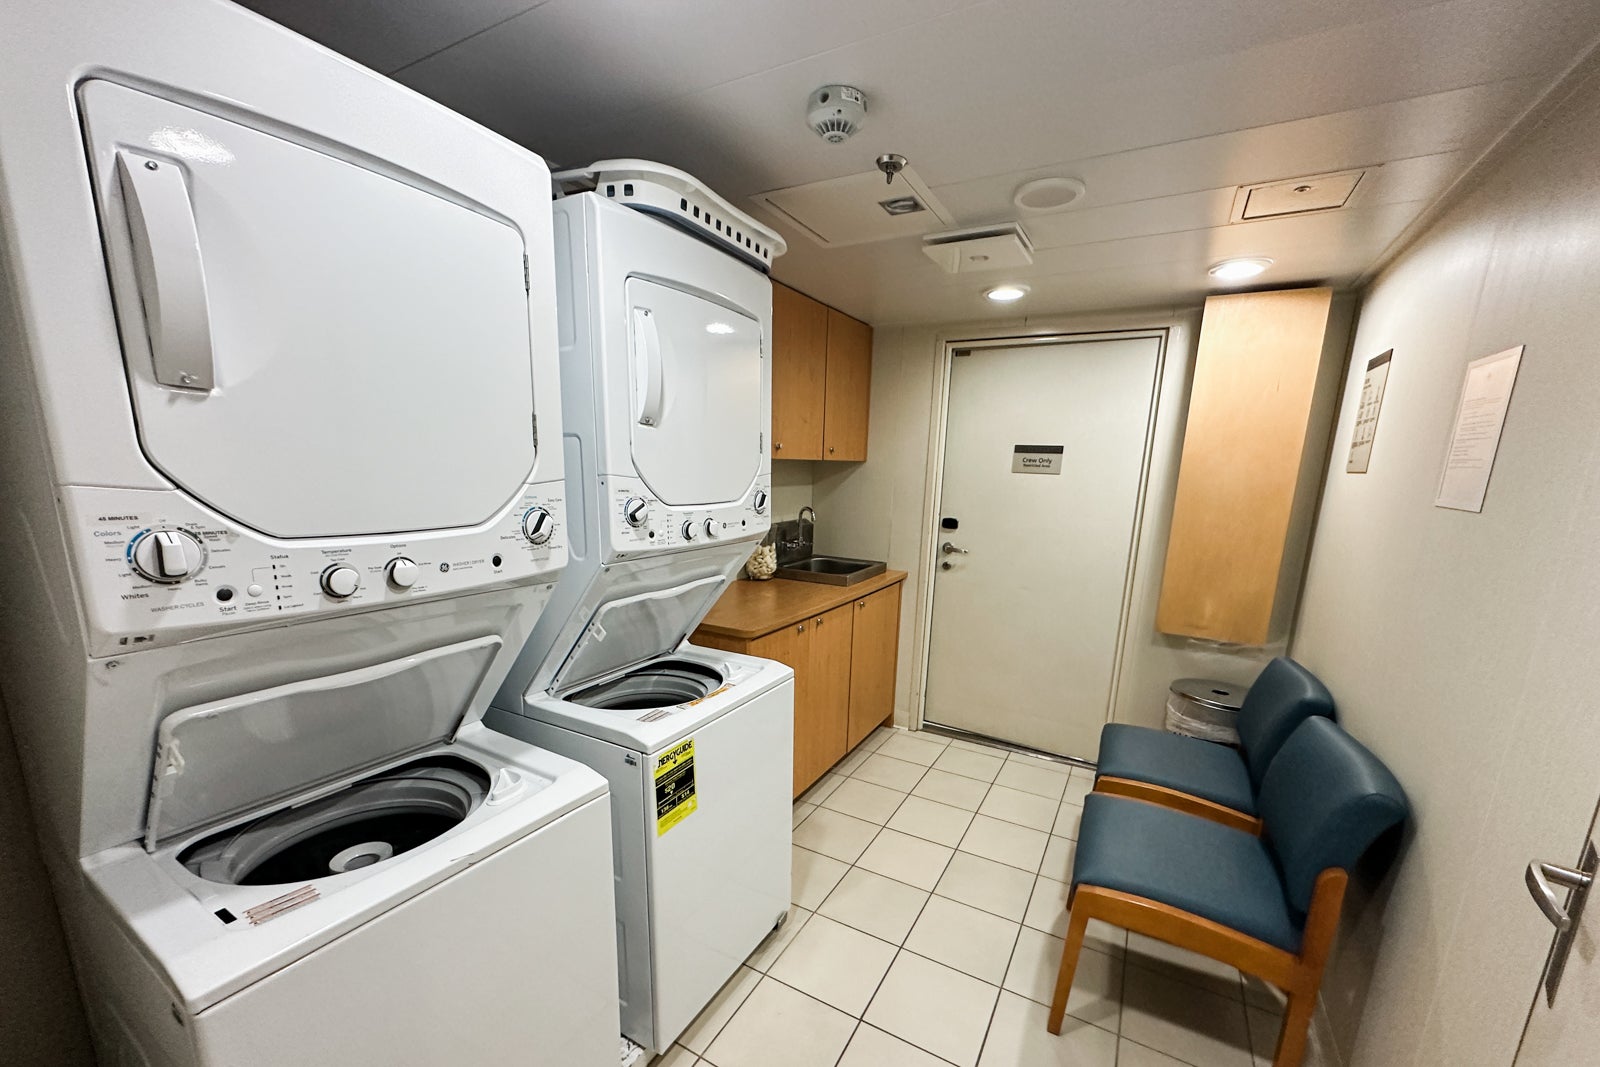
(752,609)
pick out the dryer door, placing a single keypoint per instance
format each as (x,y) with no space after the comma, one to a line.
(697,416)
(316,344)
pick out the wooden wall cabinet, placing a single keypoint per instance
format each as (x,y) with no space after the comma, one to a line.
(1254,447)
(821,379)
(844,661)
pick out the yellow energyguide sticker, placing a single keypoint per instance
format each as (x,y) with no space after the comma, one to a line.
(675,797)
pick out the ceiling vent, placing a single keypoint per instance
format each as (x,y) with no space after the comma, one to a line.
(1295,196)
(857,209)
(985,248)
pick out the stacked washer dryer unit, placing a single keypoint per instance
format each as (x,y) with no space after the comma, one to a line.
(666,312)
(283,498)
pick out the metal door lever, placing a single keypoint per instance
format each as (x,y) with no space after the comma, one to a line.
(948,548)
(1539,877)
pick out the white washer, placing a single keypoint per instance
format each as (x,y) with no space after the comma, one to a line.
(666,311)
(282,499)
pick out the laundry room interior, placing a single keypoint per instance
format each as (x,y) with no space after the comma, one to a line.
(906,533)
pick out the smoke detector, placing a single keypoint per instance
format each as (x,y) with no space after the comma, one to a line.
(836,111)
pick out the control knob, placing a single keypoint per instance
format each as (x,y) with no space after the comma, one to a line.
(688,530)
(340,581)
(759,501)
(167,556)
(636,512)
(538,525)
(712,529)
(402,573)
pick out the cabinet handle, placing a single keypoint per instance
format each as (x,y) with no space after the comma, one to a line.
(830,450)
(800,629)
(777,446)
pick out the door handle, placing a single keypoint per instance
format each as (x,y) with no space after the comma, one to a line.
(947,548)
(647,360)
(1539,877)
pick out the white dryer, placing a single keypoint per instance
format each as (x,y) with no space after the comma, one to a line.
(284,494)
(665,310)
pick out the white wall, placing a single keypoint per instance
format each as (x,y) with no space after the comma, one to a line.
(791,487)
(877,509)
(1462,647)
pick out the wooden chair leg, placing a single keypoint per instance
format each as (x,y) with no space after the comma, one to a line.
(1069,965)
(1296,1027)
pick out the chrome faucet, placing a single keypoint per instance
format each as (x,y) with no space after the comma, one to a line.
(801,518)
(800,547)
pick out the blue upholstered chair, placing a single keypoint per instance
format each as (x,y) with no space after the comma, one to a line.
(1268,904)
(1208,779)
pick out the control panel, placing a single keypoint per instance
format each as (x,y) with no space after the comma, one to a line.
(637,523)
(157,569)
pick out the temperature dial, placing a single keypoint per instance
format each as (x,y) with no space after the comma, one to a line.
(636,512)
(712,529)
(167,556)
(759,501)
(339,581)
(689,532)
(403,573)
(538,525)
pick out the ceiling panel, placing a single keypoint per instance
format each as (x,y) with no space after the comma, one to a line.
(388,34)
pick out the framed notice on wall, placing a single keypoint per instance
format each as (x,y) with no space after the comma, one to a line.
(1367,414)
(1480,416)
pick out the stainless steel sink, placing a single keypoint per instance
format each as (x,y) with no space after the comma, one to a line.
(832,570)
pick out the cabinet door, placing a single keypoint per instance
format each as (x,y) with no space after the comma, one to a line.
(874,644)
(799,372)
(844,434)
(792,646)
(828,663)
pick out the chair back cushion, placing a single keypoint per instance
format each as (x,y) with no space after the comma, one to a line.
(1325,800)
(1283,696)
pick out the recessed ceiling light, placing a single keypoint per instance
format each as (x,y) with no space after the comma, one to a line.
(1045,195)
(1237,270)
(719,328)
(1005,294)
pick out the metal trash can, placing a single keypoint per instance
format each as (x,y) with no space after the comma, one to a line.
(1205,708)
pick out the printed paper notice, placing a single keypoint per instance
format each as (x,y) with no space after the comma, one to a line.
(1480,416)
(1367,415)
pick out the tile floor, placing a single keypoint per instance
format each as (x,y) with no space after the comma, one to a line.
(930,880)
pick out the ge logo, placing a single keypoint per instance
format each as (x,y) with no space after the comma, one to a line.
(444,568)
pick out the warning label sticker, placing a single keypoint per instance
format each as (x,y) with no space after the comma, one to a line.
(675,799)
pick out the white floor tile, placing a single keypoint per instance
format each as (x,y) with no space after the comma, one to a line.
(823,786)
(877,737)
(1264,1029)
(931,821)
(1018,1038)
(978,746)
(1259,994)
(835,834)
(714,1016)
(855,758)
(1181,1020)
(918,748)
(812,877)
(874,904)
(985,884)
(676,1056)
(957,935)
(1184,965)
(781,1027)
(905,858)
(1033,777)
(835,963)
(934,1007)
(952,789)
(1133,1054)
(1096,985)
(801,810)
(1068,816)
(979,765)
(863,800)
(1077,789)
(1047,911)
(767,953)
(1057,862)
(1024,809)
(871,1047)
(888,771)
(1001,841)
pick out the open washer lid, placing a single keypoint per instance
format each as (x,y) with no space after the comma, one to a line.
(630,630)
(225,757)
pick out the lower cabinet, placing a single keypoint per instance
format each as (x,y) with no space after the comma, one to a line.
(844,670)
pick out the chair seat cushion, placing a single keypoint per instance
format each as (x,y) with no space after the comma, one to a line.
(1200,768)
(1193,864)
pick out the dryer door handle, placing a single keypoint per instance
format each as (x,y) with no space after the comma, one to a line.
(172,279)
(647,364)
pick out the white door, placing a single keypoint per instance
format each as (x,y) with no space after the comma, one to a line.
(316,344)
(697,412)
(1564,1023)
(1044,459)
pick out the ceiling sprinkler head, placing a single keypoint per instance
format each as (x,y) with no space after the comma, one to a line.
(891,164)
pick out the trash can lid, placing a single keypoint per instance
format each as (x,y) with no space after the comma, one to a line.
(1210,693)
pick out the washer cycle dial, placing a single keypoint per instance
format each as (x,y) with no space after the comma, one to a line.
(636,512)
(166,555)
(713,530)
(538,525)
(339,581)
(402,573)
(759,501)
(688,530)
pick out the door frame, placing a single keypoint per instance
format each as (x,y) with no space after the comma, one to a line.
(933,489)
